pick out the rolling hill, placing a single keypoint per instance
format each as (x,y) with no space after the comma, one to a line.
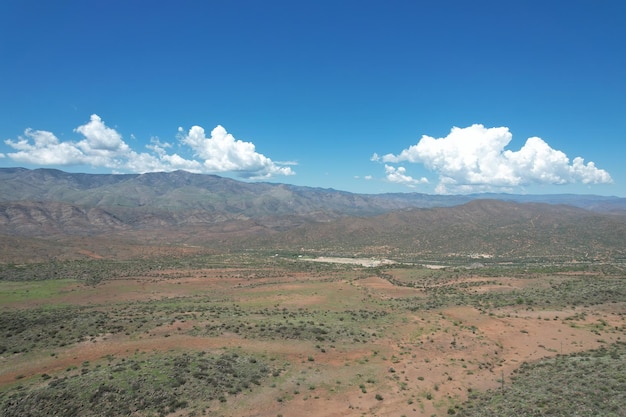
(68,210)
(480,229)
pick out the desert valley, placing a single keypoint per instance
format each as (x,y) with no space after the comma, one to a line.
(178,294)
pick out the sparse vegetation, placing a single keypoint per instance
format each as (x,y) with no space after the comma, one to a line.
(388,327)
(145,384)
(589,383)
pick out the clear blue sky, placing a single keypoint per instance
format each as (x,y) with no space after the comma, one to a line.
(363,96)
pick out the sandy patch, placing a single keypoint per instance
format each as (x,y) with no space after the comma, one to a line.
(366,262)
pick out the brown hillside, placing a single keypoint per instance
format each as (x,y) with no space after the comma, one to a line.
(489,227)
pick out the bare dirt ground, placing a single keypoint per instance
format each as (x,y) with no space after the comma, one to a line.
(419,364)
(367,262)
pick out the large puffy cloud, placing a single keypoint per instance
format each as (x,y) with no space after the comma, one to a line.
(222,152)
(41,147)
(474,159)
(103,146)
(100,138)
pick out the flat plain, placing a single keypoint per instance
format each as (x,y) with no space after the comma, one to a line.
(269,335)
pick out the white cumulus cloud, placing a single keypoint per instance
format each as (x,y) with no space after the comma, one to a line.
(221,152)
(474,159)
(102,146)
(399,175)
(41,147)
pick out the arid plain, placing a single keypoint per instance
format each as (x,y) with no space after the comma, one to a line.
(333,339)
(177,294)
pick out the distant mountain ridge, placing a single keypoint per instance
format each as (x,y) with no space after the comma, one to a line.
(63,213)
(184,190)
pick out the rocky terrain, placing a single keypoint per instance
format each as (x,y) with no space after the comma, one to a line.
(69,214)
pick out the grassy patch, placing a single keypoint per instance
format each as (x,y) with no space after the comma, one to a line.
(16,291)
(591,383)
(298,324)
(447,288)
(140,385)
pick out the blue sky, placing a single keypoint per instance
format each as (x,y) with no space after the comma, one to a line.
(363,96)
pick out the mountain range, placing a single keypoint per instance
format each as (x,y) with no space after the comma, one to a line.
(180,207)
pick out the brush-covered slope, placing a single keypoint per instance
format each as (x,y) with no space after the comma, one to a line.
(211,211)
(479,229)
